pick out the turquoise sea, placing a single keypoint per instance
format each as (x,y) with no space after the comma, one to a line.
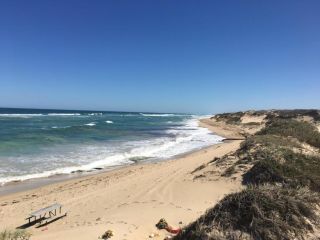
(39,143)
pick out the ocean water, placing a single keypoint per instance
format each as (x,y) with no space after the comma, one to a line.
(40,143)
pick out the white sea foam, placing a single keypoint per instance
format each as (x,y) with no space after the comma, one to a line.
(56,127)
(158,114)
(27,115)
(108,121)
(91,124)
(22,115)
(64,114)
(95,114)
(187,137)
(110,161)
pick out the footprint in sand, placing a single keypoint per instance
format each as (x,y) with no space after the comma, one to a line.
(122,222)
(123,204)
(135,226)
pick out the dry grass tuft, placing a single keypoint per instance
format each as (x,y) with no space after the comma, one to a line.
(265,212)
(15,235)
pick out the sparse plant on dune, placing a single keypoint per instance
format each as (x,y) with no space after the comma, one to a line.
(264,212)
(14,235)
(303,131)
(283,185)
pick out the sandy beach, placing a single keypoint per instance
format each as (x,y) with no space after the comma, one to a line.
(128,201)
(159,120)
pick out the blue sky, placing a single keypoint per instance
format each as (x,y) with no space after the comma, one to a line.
(160,56)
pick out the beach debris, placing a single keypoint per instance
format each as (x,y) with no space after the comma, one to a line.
(97,168)
(173,230)
(108,234)
(77,171)
(152,235)
(162,224)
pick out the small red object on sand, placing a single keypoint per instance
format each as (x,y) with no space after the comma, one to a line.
(172,230)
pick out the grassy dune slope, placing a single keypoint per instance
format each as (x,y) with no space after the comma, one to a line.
(280,164)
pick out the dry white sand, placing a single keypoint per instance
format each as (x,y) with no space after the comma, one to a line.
(247,118)
(128,201)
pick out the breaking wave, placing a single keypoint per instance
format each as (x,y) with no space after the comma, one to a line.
(174,137)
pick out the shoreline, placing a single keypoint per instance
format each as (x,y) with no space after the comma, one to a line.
(34,183)
(82,148)
(157,189)
(16,186)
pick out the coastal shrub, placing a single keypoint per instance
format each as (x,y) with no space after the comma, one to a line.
(230,118)
(259,112)
(252,124)
(302,169)
(263,172)
(303,131)
(269,140)
(274,159)
(259,145)
(247,144)
(15,235)
(252,153)
(284,166)
(229,171)
(283,185)
(264,212)
(290,114)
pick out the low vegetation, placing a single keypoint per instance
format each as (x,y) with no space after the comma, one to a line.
(15,235)
(265,212)
(230,118)
(291,114)
(287,167)
(282,197)
(303,131)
